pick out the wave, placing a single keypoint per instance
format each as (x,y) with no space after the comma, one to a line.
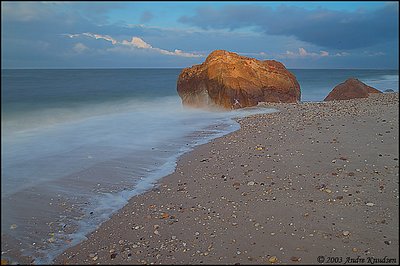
(94,158)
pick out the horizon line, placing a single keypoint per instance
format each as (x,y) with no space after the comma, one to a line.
(87,68)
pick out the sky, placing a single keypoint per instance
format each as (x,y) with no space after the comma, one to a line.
(180,34)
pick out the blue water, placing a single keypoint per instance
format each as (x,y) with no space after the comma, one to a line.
(77,144)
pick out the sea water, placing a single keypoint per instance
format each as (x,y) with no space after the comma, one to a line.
(77,144)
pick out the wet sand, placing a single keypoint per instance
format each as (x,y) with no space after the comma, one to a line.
(314,182)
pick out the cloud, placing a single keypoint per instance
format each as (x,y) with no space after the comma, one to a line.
(80,47)
(146,17)
(138,43)
(342,54)
(135,42)
(24,11)
(98,36)
(303,53)
(324,53)
(322,27)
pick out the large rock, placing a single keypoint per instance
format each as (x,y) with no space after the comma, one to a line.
(232,81)
(350,89)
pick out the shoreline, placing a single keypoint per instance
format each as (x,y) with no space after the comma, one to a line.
(254,196)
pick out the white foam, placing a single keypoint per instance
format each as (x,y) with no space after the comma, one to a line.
(47,155)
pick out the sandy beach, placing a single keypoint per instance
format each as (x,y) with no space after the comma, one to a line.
(313,183)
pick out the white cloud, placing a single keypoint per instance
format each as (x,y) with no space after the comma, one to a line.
(342,54)
(138,43)
(80,47)
(135,42)
(98,36)
(369,53)
(303,53)
(324,53)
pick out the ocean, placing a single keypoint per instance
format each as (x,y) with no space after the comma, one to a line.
(77,144)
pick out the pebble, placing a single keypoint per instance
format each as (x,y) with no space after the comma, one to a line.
(370,204)
(13,226)
(273,259)
(346,233)
(295,258)
(251,183)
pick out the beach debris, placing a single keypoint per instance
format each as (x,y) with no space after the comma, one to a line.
(273,259)
(370,204)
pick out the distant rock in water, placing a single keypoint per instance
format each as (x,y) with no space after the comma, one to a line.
(232,81)
(350,89)
(389,90)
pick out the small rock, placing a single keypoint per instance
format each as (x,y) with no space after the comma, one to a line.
(370,204)
(273,259)
(295,258)
(251,183)
(346,233)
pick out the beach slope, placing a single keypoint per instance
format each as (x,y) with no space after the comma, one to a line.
(312,182)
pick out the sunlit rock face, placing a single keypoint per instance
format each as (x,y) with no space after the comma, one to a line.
(350,89)
(232,81)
